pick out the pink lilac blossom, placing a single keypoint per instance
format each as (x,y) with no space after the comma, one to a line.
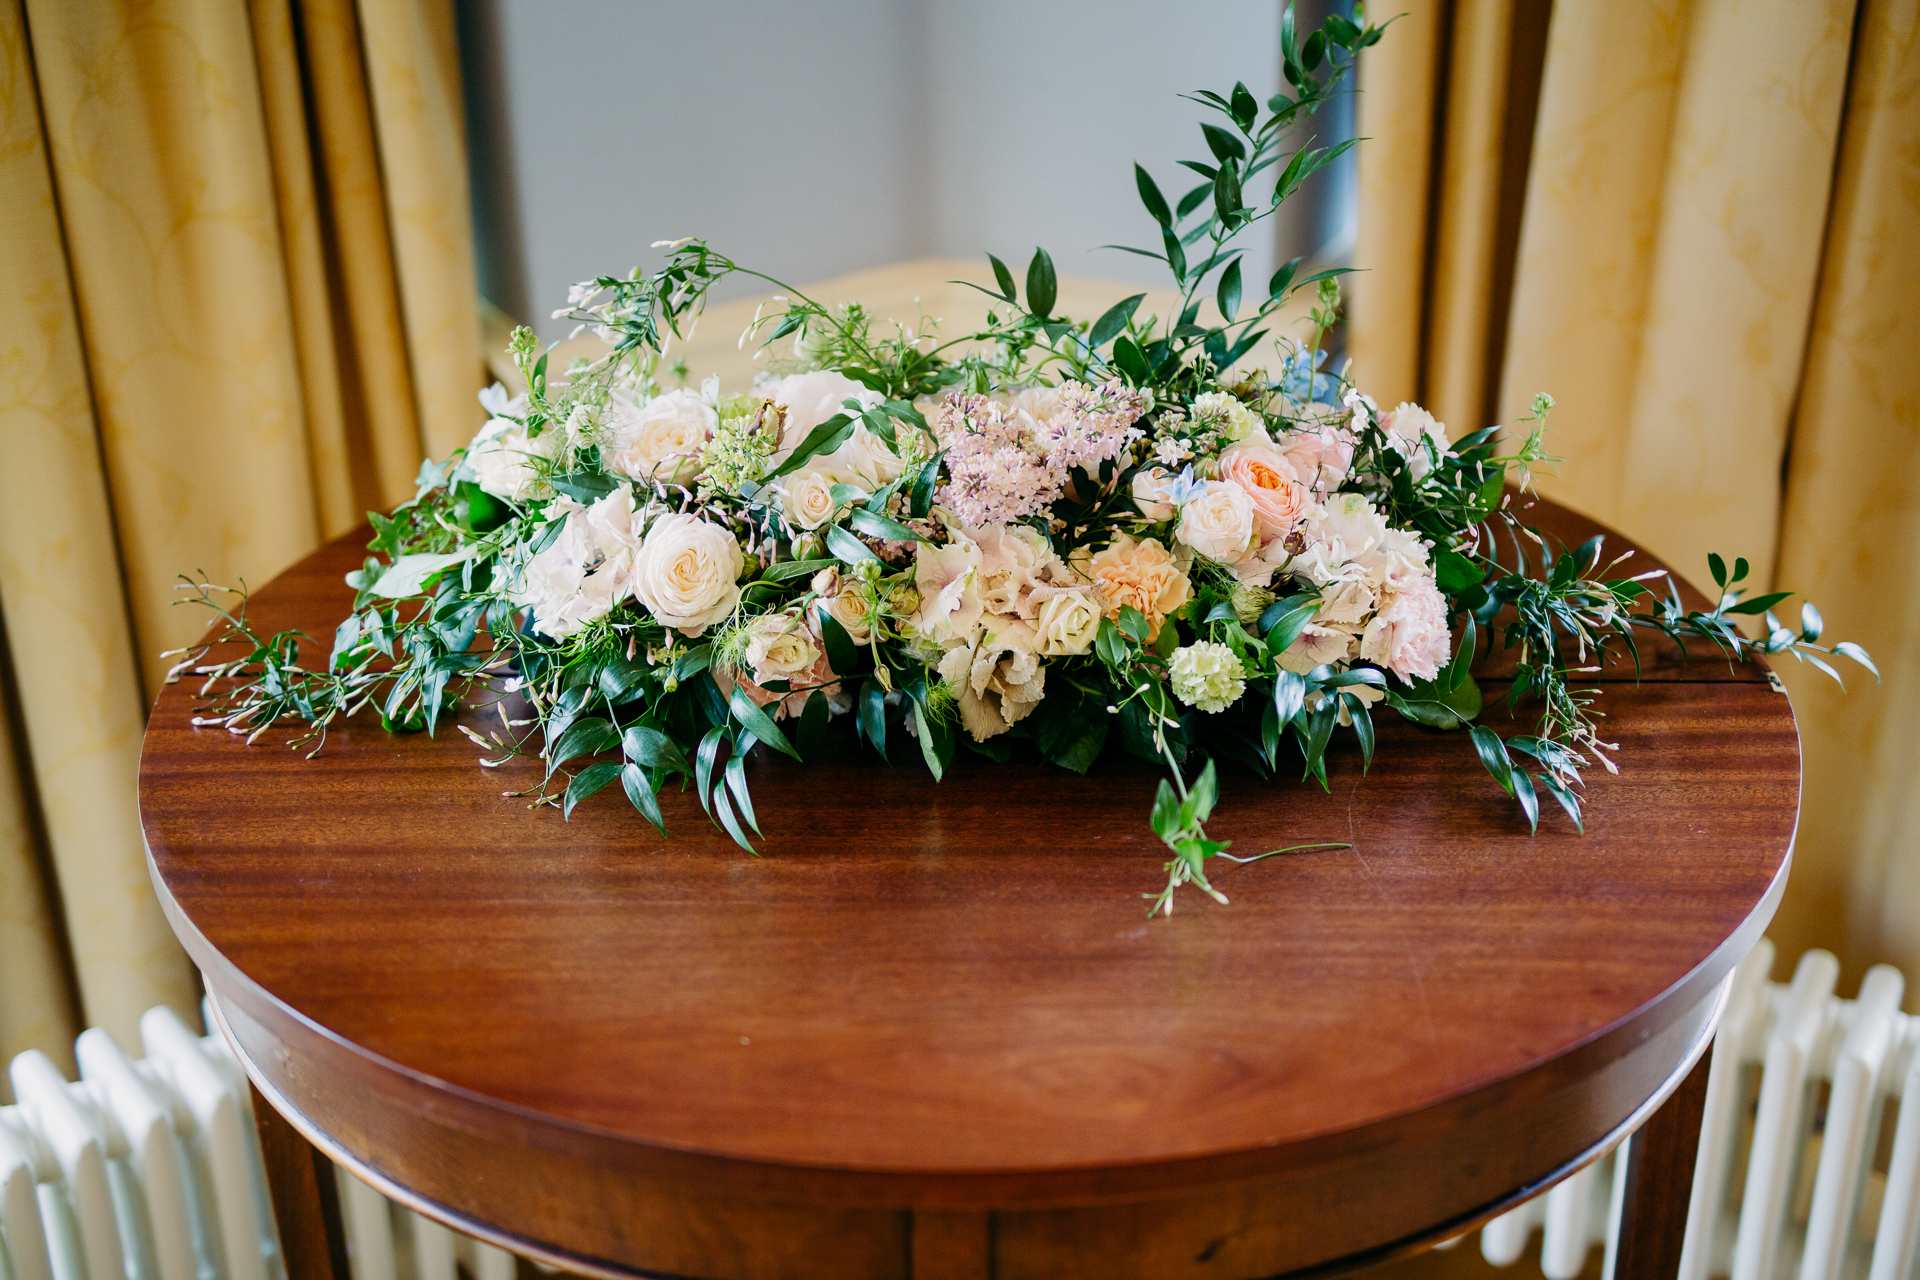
(1006,465)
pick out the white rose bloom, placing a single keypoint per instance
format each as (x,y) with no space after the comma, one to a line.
(1068,620)
(661,439)
(687,573)
(810,399)
(1151,487)
(807,498)
(584,571)
(501,459)
(1219,523)
(842,598)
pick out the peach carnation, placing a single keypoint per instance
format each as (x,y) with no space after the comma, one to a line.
(1142,573)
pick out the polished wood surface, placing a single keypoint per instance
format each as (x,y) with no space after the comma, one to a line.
(933,1019)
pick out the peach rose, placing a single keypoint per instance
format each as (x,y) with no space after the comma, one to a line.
(1269,479)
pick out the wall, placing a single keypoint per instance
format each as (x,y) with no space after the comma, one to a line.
(814,139)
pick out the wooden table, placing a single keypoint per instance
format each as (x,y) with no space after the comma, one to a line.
(932,1033)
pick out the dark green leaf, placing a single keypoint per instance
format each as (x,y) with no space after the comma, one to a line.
(880,526)
(920,499)
(703,761)
(640,793)
(652,748)
(1289,694)
(787,569)
(1191,201)
(1134,623)
(847,547)
(1243,108)
(843,655)
(1759,604)
(1282,280)
(589,780)
(1718,568)
(1455,573)
(737,783)
(1166,811)
(1285,631)
(1004,277)
(1042,288)
(758,723)
(1362,728)
(1229,293)
(871,714)
(1114,320)
(1568,801)
(1150,196)
(584,486)
(1493,754)
(588,737)
(825,438)
(1529,801)
(1223,144)
(724,812)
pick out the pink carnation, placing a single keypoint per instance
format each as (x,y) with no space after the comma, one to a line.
(1408,636)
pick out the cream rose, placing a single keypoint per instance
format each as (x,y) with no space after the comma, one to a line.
(501,459)
(1219,522)
(1266,476)
(807,498)
(1152,490)
(779,647)
(842,598)
(661,439)
(1067,621)
(1142,573)
(687,573)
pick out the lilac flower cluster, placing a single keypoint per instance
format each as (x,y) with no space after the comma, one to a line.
(1009,462)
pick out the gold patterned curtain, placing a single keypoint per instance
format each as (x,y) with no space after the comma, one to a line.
(1697,224)
(236,309)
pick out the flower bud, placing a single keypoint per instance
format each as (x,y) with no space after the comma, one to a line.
(903,600)
(868,570)
(811,547)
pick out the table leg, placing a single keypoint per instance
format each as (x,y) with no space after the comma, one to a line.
(1659,1182)
(306,1198)
(952,1246)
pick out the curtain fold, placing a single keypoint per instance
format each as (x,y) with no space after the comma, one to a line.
(205,366)
(1719,210)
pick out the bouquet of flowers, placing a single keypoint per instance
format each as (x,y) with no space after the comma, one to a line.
(1087,537)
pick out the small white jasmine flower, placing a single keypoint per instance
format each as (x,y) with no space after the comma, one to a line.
(1171,451)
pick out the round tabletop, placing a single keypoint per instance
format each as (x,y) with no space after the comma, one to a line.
(941,1008)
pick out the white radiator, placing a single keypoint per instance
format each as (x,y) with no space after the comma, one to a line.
(1809,1165)
(151,1170)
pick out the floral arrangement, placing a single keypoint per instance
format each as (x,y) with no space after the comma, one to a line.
(1082,537)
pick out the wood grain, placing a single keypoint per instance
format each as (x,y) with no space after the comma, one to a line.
(647,1056)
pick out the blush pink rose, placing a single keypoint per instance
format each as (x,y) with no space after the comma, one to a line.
(1270,480)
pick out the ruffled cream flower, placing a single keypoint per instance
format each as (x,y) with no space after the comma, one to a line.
(1013,559)
(1219,523)
(996,677)
(1316,646)
(584,571)
(1408,636)
(945,576)
(687,573)
(661,439)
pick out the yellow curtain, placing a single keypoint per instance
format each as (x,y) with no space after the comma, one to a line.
(1718,211)
(236,309)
